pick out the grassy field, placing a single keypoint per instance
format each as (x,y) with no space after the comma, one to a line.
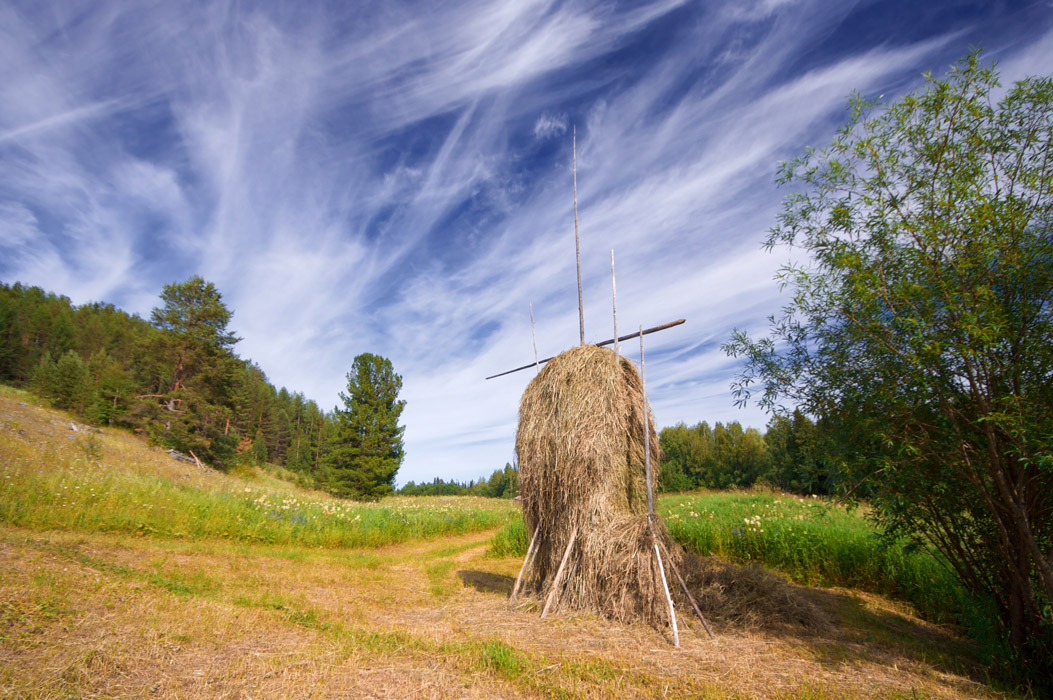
(813,542)
(124,573)
(810,540)
(56,478)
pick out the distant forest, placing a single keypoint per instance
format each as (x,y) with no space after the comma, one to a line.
(503,483)
(176,380)
(184,392)
(792,455)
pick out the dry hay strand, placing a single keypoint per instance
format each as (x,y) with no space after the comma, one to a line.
(580,446)
(750,596)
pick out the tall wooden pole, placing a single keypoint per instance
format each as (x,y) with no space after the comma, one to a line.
(614,298)
(646,431)
(577,243)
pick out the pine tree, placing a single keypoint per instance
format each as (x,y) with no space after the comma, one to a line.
(366,448)
(194,371)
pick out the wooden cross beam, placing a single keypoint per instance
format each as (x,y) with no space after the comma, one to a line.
(662,327)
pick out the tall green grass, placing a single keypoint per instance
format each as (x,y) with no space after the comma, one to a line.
(511,540)
(812,541)
(78,499)
(54,478)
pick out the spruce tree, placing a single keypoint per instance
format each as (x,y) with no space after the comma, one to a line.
(366,448)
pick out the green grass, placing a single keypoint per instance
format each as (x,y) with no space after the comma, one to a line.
(78,497)
(812,541)
(52,478)
(510,541)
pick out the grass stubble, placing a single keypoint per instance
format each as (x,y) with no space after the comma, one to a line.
(92,611)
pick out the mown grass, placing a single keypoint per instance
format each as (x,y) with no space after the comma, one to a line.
(53,478)
(812,541)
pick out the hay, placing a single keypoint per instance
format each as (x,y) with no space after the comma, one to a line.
(750,597)
(580,447)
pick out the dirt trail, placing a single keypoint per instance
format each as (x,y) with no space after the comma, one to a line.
(114,615)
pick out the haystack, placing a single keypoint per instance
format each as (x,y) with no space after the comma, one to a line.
(580,446)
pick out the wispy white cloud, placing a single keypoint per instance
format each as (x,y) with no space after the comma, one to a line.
(550,125)
(396,179)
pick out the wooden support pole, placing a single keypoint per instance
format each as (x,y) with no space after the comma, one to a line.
(646,431)
(614,301)
(662,327)
(526,563)
(687,591)
(668,598)
(553,593)
(577,244)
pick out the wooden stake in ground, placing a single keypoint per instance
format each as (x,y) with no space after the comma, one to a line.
(577,244)
(614,301)
(687,591)
(526,563)
(554,592)
(668,598)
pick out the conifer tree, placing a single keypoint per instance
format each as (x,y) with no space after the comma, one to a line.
(71,383)
(366,448)
(197,371)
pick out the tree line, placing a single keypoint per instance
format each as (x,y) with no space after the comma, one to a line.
(502,483)
(176,380)
(790,455)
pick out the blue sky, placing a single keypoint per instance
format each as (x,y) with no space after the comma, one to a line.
(395,177)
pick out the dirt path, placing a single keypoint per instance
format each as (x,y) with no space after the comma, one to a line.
(117,616)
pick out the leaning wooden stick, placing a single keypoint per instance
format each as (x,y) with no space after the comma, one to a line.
(526,562)
(687,591)
(553,594)
(668,598)
(650,505)
(662,327)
